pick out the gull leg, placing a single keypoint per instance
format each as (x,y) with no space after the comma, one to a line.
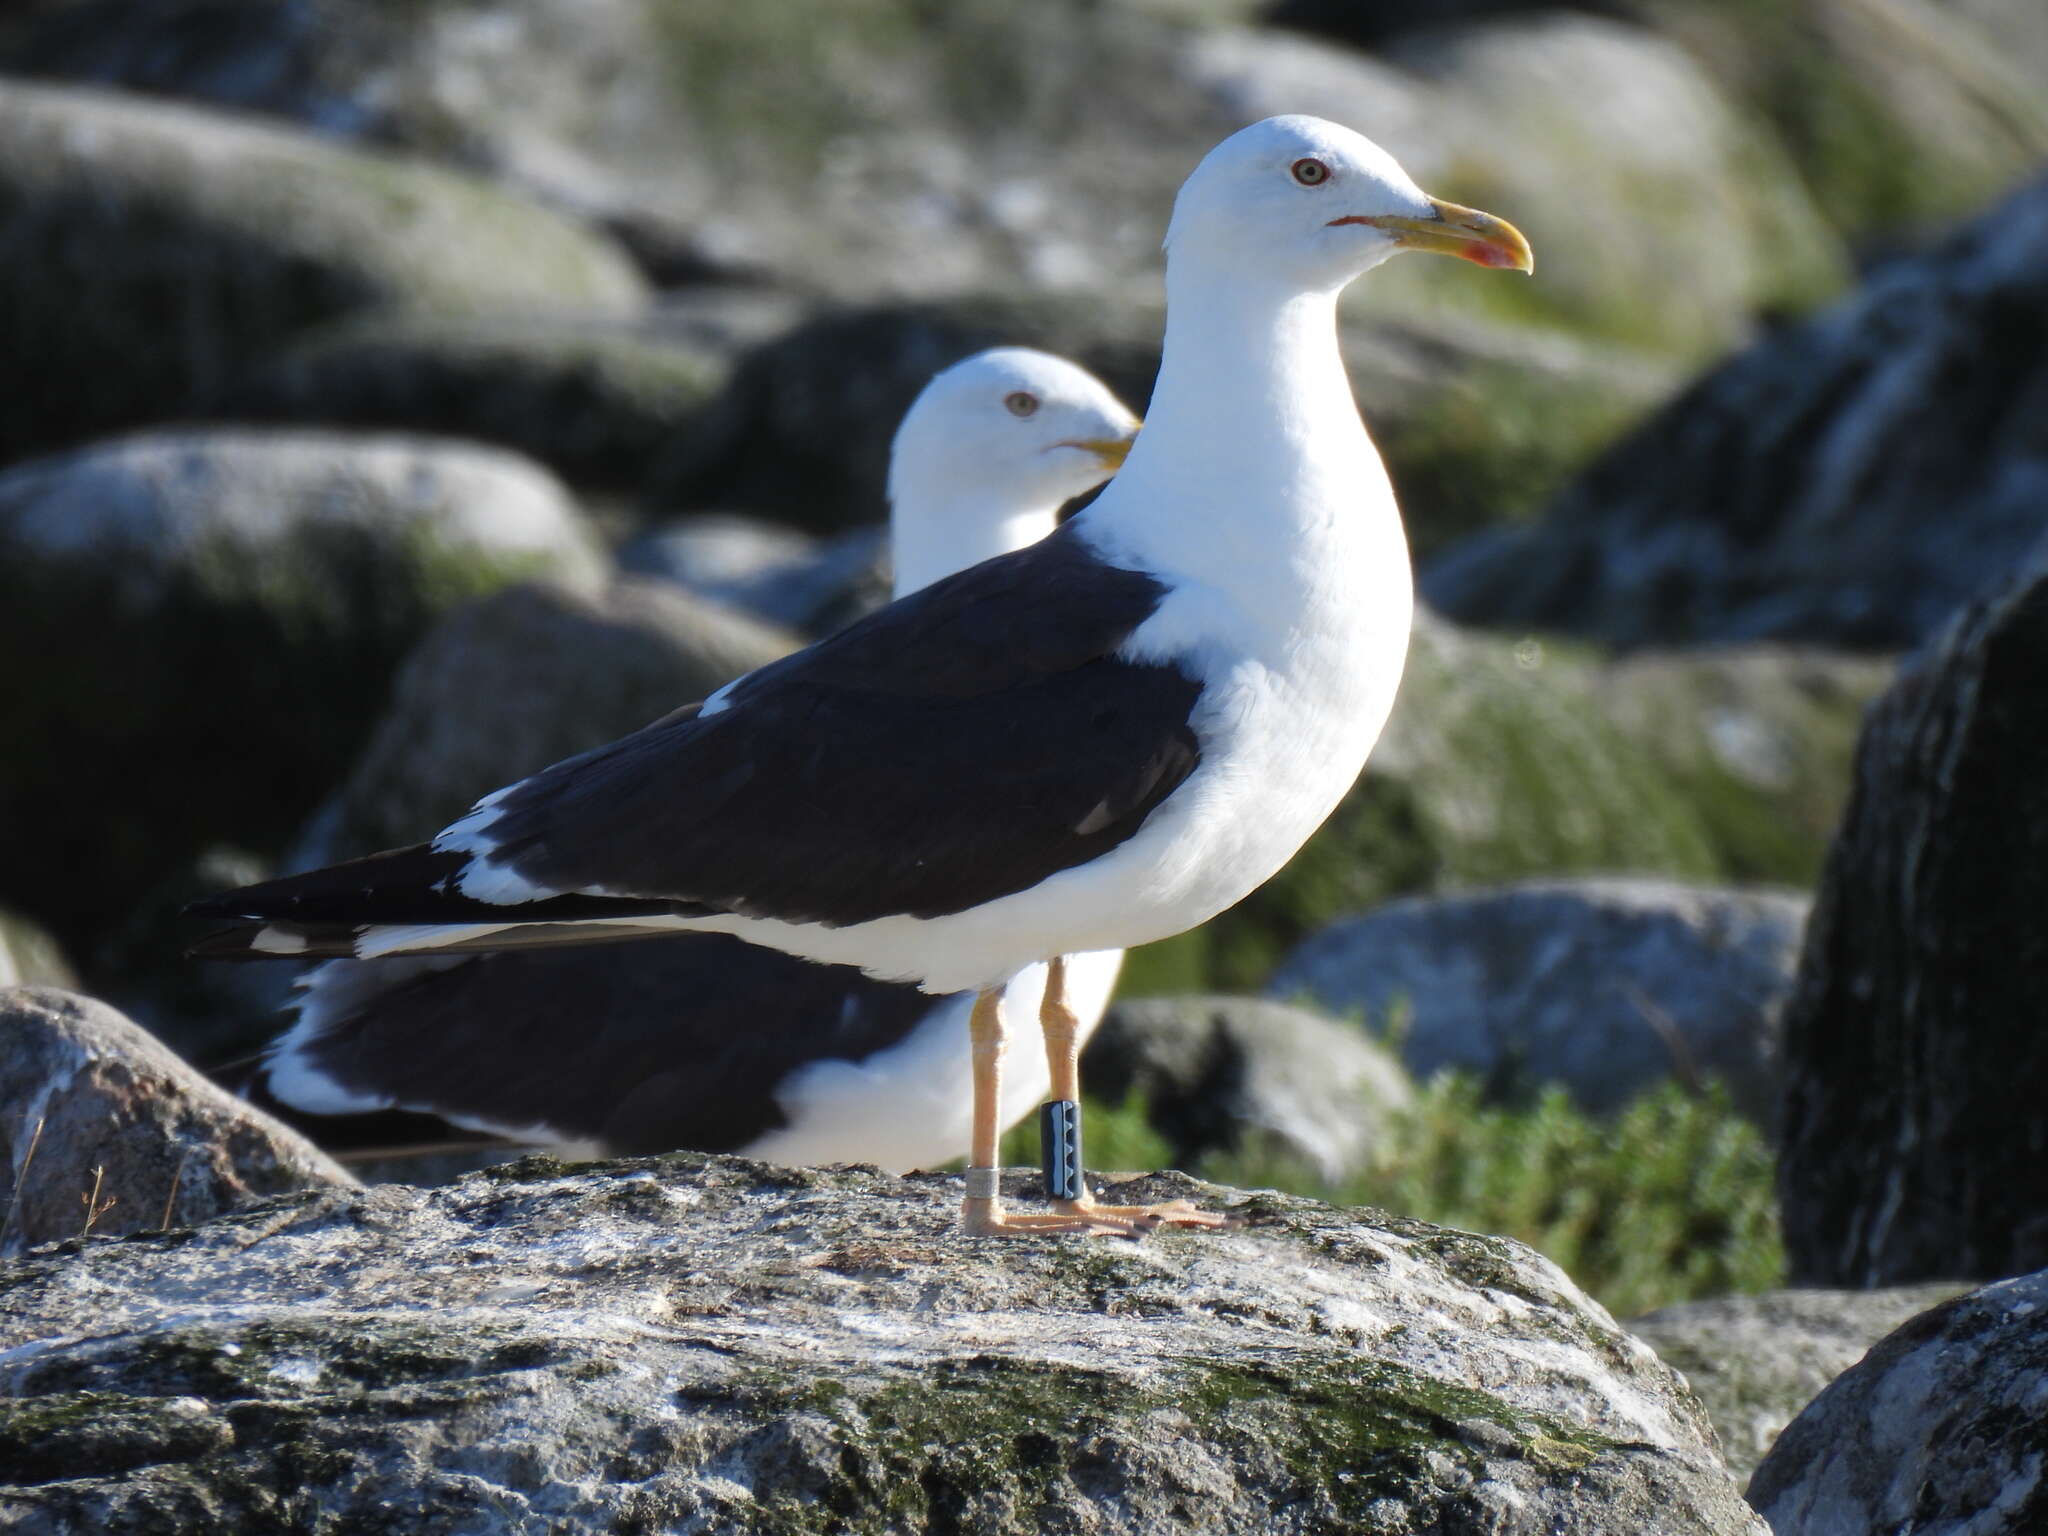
(1063,1055)
(982,1212)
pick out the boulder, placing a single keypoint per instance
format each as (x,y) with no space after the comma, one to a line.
(520,680)
(1756,1361)
(707,1343)
(102,1129)
(231,604)
(596,400)
(1514,759)
(1848,481)
(1479,423)
(1937,1430)
(1239,1076)
(773,572)
(1608,986)
(1899,114)
(1571,125)
(888,151)
(1757,739)
(1913,1120)
(216,238)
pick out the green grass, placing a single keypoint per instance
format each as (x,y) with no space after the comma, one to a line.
(1669,1200)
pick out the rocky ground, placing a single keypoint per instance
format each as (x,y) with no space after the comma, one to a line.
(713,1344)
(404,395)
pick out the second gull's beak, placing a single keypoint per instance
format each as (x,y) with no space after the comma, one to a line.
(1109,451)
(1455,231)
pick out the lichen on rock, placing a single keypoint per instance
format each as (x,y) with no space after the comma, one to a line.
(710,1343)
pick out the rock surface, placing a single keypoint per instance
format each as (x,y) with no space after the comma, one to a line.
(701,1343)
(91,1103)
(1478,423)
(520,680)
(891,150)
(1897,112)
(1914,1125)
(776,573)
(1606,986)
(1757,1361)
(1234,1074)
(598,401)
(218,237)
(1937,1431)
(1848,481)
(232,604)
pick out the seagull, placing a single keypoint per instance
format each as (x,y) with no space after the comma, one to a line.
(1095,742)
(705,1041)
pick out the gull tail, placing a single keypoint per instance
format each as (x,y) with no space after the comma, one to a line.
(408,901)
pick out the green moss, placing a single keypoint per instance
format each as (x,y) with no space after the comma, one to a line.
(201,633)
(1498,443)
(1895,121)
(69,1434)
(992,1440)
(1672,1199)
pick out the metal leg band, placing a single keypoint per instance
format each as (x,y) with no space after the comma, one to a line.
(1059,1147)
(984,1183)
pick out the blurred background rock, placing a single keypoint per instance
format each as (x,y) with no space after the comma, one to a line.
(404,392)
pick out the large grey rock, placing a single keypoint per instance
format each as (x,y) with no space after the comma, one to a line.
(1914,1122)
(1848,481)
(1757,1361)
(1237,1075)
(90,1105)
(1508,760)
(1571,125)
(1900,114)
(1478,422)
(598,401)
(1937,1431)
(881,150)
(1607,986)
(230,604)
(152,250)
(520,680)
(772,571)
(709,1344)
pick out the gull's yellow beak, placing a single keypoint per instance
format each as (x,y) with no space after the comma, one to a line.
(1109,451)
(1455,231)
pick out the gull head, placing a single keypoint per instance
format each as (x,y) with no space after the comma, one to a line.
(1010,427)
(1310,205)
(990,451)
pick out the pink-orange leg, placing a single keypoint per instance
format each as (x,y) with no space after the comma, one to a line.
(1063,1055)
(982,1212)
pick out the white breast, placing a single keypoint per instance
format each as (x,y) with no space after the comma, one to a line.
(911,1106)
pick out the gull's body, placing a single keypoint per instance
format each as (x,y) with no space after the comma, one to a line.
(1098,741)
(707,1043)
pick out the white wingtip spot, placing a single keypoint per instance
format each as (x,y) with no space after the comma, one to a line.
(278,941)
(719,702)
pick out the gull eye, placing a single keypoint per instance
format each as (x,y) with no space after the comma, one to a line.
(1310,173)
(1021,402)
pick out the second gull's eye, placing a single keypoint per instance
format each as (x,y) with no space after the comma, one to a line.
(1311,173)
(1020,402)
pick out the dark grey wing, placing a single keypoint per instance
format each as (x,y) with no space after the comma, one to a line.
(669,1044)
(958,746)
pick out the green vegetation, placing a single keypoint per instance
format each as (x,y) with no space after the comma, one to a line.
(1669,1200)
